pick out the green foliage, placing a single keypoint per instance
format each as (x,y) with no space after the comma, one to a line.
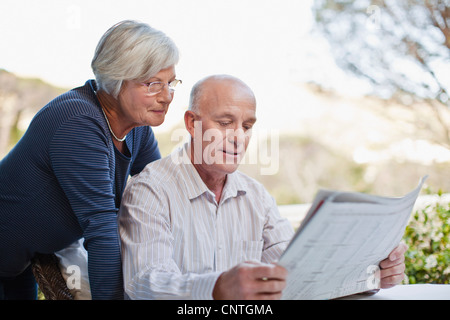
(428,238)
(40,295)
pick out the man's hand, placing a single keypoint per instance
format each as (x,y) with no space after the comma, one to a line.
(393,267)
(251,281)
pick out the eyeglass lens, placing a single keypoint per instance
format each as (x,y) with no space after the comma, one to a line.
(156,87)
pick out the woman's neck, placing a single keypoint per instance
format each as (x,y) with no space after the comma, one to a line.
(111,109)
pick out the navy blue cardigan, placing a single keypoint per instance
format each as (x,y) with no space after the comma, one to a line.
(64,180)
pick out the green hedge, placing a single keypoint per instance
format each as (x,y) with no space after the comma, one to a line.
(428,237)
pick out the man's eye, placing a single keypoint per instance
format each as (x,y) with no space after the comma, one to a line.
(224,124)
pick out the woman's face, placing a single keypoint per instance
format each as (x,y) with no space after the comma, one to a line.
(140,109)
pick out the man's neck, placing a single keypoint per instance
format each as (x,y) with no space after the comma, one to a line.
(214,181)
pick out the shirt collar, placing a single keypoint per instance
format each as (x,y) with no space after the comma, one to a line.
(195,187)
(234,186)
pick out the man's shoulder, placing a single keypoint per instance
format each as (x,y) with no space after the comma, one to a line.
(159,173)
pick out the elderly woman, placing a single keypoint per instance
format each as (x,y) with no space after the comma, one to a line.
(64,179)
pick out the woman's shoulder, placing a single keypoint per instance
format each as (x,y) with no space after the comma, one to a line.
(78,105)
(71,118)
(78,101)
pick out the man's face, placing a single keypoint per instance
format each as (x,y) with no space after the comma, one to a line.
(223,127)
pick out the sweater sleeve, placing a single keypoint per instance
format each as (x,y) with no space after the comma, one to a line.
(81,162)
(148,150)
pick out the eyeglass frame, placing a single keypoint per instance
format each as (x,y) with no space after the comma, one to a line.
(171,88)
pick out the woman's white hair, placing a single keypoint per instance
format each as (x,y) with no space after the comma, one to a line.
(131,50)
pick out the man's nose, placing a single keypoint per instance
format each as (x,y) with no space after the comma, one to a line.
(237,137)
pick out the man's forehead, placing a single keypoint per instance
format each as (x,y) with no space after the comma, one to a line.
(233,111)
(227,93)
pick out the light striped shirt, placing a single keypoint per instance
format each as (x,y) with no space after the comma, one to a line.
(177,240)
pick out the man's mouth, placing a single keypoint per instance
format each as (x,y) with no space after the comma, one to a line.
(231,153)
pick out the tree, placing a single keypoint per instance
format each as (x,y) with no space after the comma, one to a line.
(401,47)
(20,99)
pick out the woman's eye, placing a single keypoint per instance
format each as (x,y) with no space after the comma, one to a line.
(224,124)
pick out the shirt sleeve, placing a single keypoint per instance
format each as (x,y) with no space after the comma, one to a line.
(80,159)
(150,271)
(277,233)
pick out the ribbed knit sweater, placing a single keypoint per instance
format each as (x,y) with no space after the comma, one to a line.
(64,180)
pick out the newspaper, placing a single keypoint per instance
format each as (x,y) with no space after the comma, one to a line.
(340,243)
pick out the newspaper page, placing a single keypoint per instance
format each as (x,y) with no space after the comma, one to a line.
(343,238)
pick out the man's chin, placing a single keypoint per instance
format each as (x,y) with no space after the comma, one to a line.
(228,168)
(227,165)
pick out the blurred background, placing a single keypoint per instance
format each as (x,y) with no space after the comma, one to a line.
(352,95)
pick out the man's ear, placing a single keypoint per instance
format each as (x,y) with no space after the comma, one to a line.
(189,122)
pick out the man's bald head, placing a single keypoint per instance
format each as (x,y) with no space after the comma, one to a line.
(217,87)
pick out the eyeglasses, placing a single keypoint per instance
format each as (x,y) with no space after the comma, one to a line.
(157,86)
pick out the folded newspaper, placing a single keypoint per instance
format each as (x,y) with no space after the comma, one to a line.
(340,243)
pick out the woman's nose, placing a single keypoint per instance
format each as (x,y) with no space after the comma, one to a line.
(166,95)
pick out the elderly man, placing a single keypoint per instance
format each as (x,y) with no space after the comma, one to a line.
(193,227)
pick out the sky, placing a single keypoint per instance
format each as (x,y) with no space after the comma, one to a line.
(271,45)
(266,43)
